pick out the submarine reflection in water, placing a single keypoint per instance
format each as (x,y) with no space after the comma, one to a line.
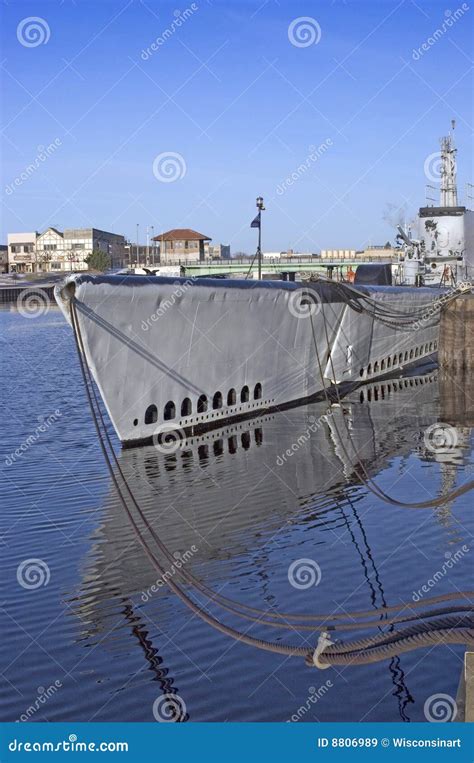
(239,504)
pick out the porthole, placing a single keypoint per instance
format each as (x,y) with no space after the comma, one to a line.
(257,393)
(376,366)
(151,414)
(217,400)
(369,369)
(231,397)
(135,422)
(245,440)
(170,411)
(382,365)
(400,358)
(202,404)
(245,395)
(186,407)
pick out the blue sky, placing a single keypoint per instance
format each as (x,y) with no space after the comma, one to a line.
(238,105)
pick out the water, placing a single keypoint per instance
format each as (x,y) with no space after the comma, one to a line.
(95,641)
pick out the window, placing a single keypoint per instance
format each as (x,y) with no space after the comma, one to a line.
(186,407)
(231,397)
(186,244)
(170,411)
(202,404)
(245,395)
(15,249)
(217,400)
(78,246)
(257,393)
(151,414)
(50,247)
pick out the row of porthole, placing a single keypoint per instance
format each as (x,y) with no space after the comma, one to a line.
(169,412)
(389,362)
(395,386)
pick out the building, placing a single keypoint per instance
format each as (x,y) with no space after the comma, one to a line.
(217,251)
(338,254)
(3,258)
(22,252)
(378,252)
(54,250)
(182,244)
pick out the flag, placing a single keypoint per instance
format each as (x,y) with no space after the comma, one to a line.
(256,222)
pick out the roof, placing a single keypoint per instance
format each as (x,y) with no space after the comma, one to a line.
(181,234)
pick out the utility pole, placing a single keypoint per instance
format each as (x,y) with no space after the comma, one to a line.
(138,247)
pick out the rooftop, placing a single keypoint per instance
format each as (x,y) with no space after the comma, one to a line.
(181,234)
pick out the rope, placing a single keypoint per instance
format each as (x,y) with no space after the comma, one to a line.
(365,478)
(455,635)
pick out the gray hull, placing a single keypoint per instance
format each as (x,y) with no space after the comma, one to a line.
(177,354)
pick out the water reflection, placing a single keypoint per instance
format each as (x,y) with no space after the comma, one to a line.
(254,496)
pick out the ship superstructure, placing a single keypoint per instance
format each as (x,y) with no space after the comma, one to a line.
(439,248)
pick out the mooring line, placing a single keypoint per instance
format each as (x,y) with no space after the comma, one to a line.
(380,649)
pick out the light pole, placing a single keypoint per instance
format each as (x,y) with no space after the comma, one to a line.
(153,244)
(260,207)
(138,248)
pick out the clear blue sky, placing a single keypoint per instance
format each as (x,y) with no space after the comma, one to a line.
(241,104)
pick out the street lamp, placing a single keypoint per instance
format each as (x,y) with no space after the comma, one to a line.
(257,223)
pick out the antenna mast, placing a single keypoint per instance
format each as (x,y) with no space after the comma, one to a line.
(448,190)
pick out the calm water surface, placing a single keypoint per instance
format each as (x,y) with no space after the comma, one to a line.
(111,646)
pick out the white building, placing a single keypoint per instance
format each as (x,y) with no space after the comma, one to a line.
(54,250)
